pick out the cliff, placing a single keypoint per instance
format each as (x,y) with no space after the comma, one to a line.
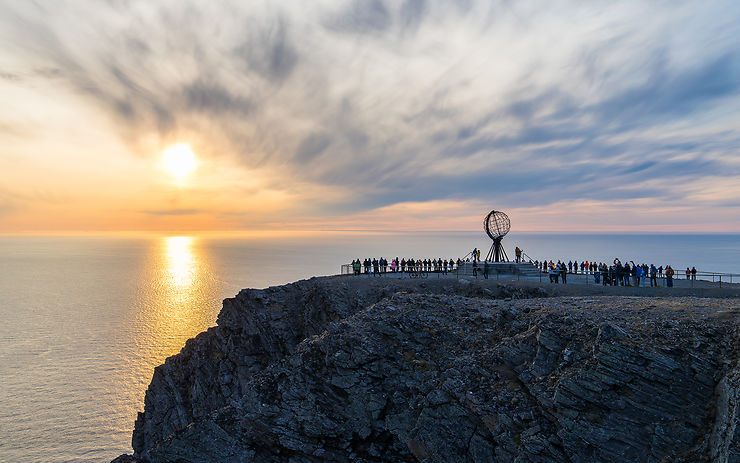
(356,369)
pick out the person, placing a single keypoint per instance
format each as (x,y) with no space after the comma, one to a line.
(604,273)
(693,273)
(669,276)
(393,265)
(688,273)
(660,271)
(518,253)
(563,272)
(474,254)
(485,270)
(653,275)
(635,277)
(612,275)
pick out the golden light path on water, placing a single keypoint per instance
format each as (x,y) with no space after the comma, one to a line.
(178,299)
(180,290)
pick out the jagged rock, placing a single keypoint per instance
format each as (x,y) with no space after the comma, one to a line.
(366,370)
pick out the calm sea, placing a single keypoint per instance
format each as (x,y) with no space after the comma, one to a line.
(86,319)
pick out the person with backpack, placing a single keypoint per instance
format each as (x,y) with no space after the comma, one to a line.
(669,276)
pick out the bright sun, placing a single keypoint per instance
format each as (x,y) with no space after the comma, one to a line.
(179,160)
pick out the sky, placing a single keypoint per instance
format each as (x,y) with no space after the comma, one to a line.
(370,115)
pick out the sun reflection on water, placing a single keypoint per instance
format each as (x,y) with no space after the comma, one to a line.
(180,261)
(179,301)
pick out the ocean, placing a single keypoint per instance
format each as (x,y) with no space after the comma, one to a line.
(86,319)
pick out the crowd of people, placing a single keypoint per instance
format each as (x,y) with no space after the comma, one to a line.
(377,266)
(614,274)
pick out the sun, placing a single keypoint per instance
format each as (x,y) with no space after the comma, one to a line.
(179,161)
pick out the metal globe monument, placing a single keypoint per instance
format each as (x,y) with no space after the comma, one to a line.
(497,225)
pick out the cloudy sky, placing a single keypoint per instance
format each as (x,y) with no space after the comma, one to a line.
(370,114)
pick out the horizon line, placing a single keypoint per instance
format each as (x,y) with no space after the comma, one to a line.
(342,230)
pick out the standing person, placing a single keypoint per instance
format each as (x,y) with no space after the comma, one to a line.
(604,273)
(669,276)
(518,253)
(660,271)
(653,275)
(688,273)
(597,274)
(635,274)
(693,273)
(563,272)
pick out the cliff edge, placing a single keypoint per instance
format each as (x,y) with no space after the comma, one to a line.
(370,370)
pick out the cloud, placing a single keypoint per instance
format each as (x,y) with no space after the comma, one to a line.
(171,212)
(413,101)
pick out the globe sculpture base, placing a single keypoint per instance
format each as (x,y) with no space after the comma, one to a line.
(497,252)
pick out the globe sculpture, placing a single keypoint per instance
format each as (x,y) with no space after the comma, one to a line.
(497,225)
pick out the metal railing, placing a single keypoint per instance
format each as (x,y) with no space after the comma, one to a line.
(588,278)
(418,270)
(660,280)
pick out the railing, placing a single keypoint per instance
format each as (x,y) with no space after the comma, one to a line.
(347,269)
(524,254)
(588,278)
(661,280)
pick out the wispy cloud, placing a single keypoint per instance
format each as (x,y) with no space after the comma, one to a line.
(169,212)
(413,101)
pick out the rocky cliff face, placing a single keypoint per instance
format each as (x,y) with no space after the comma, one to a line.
(441,371)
